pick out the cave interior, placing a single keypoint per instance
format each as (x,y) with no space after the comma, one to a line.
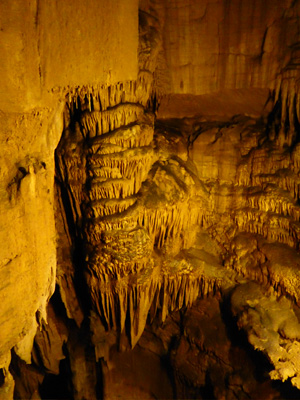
(149,199)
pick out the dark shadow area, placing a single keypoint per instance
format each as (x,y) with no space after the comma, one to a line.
(99,381)
(239,338)
(2,378)
(58,386)
(207,392)
(274,119)
(58,305)
(167,366)
(77,247)
(287,390)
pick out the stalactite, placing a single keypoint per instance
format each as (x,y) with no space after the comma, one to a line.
(131,297)
(105,164)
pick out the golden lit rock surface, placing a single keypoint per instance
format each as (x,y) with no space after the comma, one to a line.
(150,217)
(42,46)
(214,45)
(272,326)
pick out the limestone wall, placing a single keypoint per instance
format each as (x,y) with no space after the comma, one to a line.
(212,45)
(46,47)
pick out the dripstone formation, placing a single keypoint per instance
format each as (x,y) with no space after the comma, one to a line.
(156,205)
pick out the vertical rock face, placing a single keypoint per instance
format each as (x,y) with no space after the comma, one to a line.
(42,46)
(57,45)
(28,254)
(227,44)
(168,218)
